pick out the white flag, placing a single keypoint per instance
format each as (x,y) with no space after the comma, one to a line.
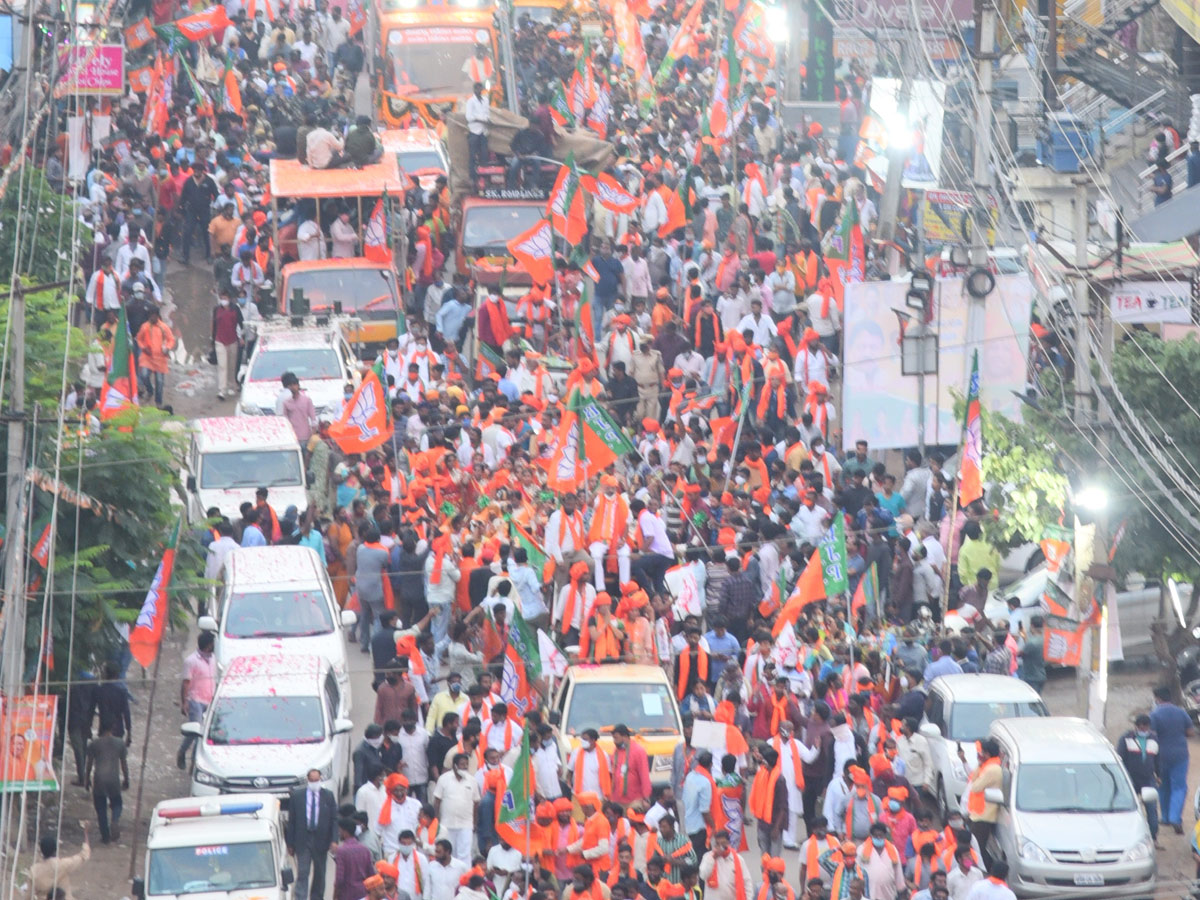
(553,661)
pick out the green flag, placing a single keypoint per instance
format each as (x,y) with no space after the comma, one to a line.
(833,558)
(537,555)
(524,641)
(560,110)
(513,813)
(601,423)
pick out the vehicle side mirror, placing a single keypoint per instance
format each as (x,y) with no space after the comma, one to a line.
(139,888)
(349,618)
(1149,795)
(994,795)
(191,728)
(929,730)
(286,877)
(206,623)
(342,726)
(191,483)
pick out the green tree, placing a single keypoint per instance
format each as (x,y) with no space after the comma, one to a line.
(44,340)
(45,229)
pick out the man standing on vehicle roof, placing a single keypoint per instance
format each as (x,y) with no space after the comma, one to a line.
(478,114)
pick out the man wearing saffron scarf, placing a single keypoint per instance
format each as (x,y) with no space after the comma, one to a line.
(631,768)
(400,813)
(769,802)
(724,872)
(880,860)
(441,585)
(609,532)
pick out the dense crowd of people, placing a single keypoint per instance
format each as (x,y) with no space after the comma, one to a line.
(715,332)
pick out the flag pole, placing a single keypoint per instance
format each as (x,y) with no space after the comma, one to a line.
(737,436)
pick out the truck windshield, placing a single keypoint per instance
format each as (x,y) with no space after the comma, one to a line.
(420,161)
(215,867)
(487,228)
(643,707)
(277,614)
(266,720)
(1079,788)
(250,469)
(305,363)
(358,290)
(970,721)
(427,61)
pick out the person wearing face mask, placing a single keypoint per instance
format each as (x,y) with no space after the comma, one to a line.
(310,831)
(367,753)
(723,871)
(227,337)
(1138,749)
(369,797)
(400,813)
(443,702)
(880,861)
(414,744)
(898,819)
(547,764)
(456,800)
(861,809)
(848,879)
(965,875)
(411,865)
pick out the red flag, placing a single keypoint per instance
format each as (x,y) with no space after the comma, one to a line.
(971,487)
(375,240)
(533,250)
(141,79)
(750,33)
(356,15)
(1063,641)
(609,193)
(139,33)
(146,635)
(204,23)
(810,588)
(565,206)
(365,423)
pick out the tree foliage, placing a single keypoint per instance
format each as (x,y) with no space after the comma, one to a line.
(1167,408)
(1028,488)
(45,336)
(45,229)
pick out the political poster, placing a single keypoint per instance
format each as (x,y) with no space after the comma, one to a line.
(26,744)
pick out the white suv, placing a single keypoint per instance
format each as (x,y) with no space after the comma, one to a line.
(272,719)
(278,600)
(958,712)
(319,356)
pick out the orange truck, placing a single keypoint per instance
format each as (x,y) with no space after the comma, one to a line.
(366,289)
(426,58)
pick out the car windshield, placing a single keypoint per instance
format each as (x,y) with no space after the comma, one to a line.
(306,364)
(213,868)
(1074,788)
(486,229)
(287,613)
(970,721)
(420,161)
(542,15)
(250,469)
(643,707)
(358,290)
(427,61)
(266,720)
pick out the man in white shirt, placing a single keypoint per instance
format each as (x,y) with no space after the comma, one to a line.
(445,870)
(456,798)
(401,813)
(413,743)
(502,734)
(369,798)
(657,553)
(478,113)
(964,875)
(219,549)
(761,324)
(310,242)
(547,765)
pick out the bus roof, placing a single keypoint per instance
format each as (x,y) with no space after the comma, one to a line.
(291,179)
